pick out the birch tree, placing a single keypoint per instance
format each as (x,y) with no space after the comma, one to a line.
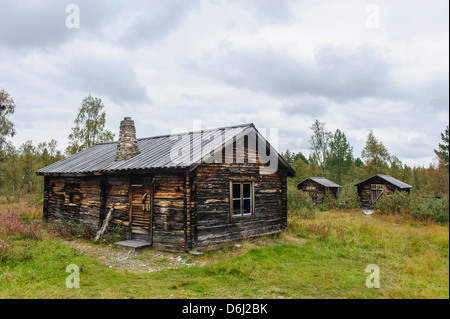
(89,126)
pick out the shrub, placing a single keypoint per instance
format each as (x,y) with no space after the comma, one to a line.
(434,209)
(348,198)
(397,203)
(13,224)
(82,229)
(300,204)
(87,232)
(68,229)
(118,233)
(329,202)
(39,199)
(416,206)
(5,250)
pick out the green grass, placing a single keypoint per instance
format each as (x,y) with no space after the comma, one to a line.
(325,257)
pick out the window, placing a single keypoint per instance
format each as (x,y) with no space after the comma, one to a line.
(241,199)
(72,198)
(72,193)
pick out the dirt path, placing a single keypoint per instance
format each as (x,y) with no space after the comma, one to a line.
(145,260)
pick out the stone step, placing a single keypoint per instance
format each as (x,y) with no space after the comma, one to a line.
(133,244)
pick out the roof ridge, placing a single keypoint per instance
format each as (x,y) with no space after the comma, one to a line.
(189,132)
(155,152)
(385,176)
(326,182)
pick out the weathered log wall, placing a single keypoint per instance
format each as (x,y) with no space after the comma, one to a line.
(367,191)
(214,222)
(168,212)
(214,225)
(316,191)
(93,196)
(116,189)
(73,199)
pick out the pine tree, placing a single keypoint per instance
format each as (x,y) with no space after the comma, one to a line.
(443,152)
(340,156)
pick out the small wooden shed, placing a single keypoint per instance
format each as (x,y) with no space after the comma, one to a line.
(178,192)
(316,187)
(372,189)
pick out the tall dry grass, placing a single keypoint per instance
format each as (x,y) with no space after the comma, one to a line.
(18,220)
(18,223)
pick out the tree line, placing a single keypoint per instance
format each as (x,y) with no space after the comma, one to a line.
(331,156)
(18,165)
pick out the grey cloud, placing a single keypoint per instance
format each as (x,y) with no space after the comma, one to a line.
(294,141)
(28,24)
(413,147)
(31,24)
(308,105)
(336,73)
(354,73)
(112,77)
(435,93)
(155,20)
(269,11)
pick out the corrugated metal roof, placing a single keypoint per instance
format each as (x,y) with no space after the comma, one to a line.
(159,152)
(389,179)
(322,181)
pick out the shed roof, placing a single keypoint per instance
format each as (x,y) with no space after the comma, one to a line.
(156,152)
(322,181)
(388,179)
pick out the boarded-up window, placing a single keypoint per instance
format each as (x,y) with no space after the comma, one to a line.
(72,198)
(72,194)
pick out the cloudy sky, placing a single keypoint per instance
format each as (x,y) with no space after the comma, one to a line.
(355,65)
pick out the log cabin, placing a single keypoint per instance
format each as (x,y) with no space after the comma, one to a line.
(178,192)
(373,188)
(316,187)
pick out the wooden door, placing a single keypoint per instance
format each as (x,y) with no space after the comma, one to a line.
(312,192)
(376,191)
(141,211)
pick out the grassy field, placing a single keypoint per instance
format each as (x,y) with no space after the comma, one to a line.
(324,257)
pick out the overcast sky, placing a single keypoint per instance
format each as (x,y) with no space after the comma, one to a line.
(355,65)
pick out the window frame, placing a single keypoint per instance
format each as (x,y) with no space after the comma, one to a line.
(72,198)
(242,198)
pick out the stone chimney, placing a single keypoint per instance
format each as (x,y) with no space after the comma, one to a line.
(127,146)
